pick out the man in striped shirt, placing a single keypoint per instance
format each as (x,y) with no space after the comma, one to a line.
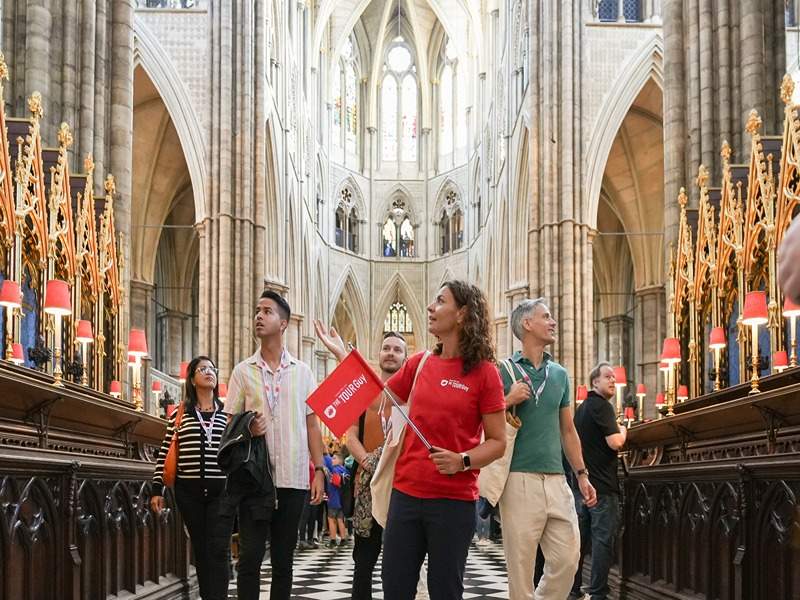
(274,385)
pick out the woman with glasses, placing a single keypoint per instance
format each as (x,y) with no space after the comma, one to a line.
(199,482)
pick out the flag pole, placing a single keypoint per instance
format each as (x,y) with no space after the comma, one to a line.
(407,419)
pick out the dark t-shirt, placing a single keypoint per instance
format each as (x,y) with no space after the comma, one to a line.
(594,420)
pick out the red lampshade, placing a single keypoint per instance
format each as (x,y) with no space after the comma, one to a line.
(662,366)
(790,309)
(660,399)
(17,356)
(755,308)
(641,390)
(56,298)
(84,333)
(156,386)
(115,389)
(10,296)
(683,391)
(223,391)
(619,376)
(581,393)
(717,338)
(780,360)
(671,351)
(629,412)
(137,343)
(184,370)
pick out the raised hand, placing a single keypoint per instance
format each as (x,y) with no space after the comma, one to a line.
(331,340)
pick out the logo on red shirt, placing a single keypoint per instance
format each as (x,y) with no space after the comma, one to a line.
(455,383)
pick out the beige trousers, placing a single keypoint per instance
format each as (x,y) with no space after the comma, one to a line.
(539,509)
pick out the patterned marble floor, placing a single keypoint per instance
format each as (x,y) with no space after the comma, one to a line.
(326,574)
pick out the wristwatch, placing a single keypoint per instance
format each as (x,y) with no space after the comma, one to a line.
(466,460)
(583,471)
(319,469)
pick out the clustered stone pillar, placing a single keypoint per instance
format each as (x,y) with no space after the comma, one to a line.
(650,318)
(718,64)
(559,219)
(236,255)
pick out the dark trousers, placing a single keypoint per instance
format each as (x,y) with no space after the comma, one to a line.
(255,527)
(598,526)
(365,556)
(438,527)
(210,535)
(308,519)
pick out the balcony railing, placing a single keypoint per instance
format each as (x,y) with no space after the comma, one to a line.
(172,4)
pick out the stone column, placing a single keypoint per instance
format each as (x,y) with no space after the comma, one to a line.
(141,306)
(650,326)
(618,340)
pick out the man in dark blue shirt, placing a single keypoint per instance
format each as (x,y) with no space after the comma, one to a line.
(601,438)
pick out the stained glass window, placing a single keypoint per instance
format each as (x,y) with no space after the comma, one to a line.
(389,102)
(351,114)
(398,319)
(446,111)
(408,123)
(607,10)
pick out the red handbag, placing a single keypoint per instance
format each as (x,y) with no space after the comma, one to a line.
(171,461)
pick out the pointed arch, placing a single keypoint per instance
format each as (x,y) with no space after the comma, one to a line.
(397,288)
(646,64)
(447,275)
(348,289)
(151,56)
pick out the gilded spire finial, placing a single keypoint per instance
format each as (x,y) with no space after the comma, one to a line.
(725,153)
(88,163)
(683,199)
(787,89)
(3,67)
(753,122)
(64,135)
(702,176)
(110,185)
(35,105)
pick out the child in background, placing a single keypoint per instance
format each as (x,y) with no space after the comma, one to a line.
(335,482)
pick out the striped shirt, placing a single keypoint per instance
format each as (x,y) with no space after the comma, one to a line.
(281,396)
(197,458)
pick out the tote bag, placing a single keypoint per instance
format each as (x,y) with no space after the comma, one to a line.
(171,460)
(492,478)
(382,480)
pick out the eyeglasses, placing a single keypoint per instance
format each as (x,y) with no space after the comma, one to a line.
(209,371)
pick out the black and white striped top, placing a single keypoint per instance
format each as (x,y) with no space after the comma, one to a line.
(197,459)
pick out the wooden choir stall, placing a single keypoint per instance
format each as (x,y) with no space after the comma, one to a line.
(76,456)
(711,490)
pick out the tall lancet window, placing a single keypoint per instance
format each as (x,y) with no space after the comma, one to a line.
(345,94)
(346,222)
(399,106)
(451,224)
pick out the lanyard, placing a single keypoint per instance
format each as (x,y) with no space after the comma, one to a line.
(537,393)
(208,429)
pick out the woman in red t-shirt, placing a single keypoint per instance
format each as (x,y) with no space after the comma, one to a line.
(458,395)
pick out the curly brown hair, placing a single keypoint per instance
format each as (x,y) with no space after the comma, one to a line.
(475,340)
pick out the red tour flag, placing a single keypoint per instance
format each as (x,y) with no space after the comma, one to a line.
(345,393)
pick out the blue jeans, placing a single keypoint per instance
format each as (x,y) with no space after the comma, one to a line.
(482,525)
(598,526)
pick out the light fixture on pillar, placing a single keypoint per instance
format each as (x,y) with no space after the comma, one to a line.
(641,392)
(671,356)
(620,381)
(17,356)
(184,371)
(659,404)
(755,314)
(85,336)
(792,310)
(115,389)
(11,300)
(580,394)
(223,391)
(57,302)
(137,348)
(717,341)
(780,362)
(683,393)
(156,389)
